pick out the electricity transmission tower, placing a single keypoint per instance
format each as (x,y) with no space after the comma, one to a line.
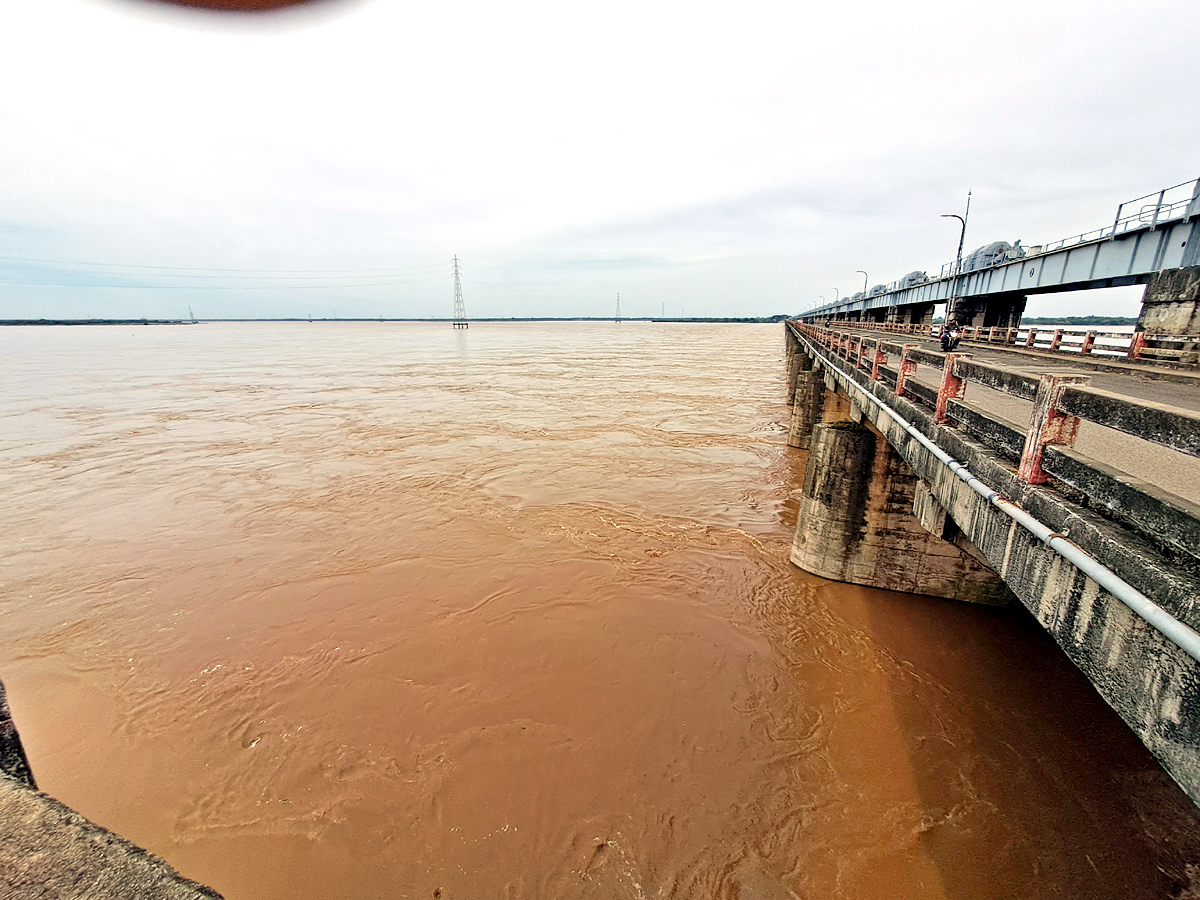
(618,319)
(460,310)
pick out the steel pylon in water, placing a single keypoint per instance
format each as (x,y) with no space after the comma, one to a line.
(460,309)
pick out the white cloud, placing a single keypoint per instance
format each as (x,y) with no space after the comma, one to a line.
(691,154)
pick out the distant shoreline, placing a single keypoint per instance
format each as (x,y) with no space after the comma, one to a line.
(742,320)
(96,322)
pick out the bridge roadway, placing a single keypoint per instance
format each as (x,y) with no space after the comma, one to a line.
(991,472)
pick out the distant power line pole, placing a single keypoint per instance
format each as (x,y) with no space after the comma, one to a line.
(618,308)
(460,309)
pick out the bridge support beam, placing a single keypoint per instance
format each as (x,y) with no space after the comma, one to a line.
(857,524)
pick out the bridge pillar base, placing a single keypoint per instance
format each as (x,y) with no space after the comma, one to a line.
(807,407)
(1171,304)
(857,524)
(996,311)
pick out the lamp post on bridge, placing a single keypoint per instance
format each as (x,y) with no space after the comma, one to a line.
(958,257)
(835,295)
(864,275)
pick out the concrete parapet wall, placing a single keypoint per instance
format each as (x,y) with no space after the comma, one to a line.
(1147,679)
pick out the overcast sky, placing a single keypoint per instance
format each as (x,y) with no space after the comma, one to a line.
(709,159)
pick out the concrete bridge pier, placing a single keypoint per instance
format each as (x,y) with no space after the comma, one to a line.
(808,405)
(918,314)
(1171,306)
(992,311)
(791,354)
(865,518)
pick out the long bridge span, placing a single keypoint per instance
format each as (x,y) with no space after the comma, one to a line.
(989,287)
(995,476)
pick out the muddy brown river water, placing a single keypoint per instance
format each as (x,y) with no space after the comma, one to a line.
(389,610)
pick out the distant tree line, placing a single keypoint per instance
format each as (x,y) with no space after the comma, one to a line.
(95,322)
(1080,320)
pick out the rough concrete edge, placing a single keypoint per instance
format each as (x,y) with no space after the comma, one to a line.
(86,830)
(1160,515)
(18,775)
(13,761)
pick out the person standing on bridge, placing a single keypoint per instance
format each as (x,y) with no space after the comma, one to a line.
(951,335)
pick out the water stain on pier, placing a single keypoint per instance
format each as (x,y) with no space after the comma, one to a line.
(392,610)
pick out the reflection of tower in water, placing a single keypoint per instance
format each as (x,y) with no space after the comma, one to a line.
(460,309)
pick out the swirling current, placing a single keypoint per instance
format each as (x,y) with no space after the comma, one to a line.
(392,610)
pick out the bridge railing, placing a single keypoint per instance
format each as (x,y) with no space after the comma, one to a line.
(1044,450)
(1139,346)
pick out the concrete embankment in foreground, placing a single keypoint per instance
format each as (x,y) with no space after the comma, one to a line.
(50,851)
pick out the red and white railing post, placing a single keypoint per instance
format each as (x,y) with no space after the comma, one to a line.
(880,360)
(1137,345)
(1048,426)
(951,388)
(907,367)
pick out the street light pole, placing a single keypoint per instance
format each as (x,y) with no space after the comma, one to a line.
(958,257)
(864,275)
(835,295)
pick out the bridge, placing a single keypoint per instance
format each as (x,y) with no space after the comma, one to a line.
(989,287)
(1003,475)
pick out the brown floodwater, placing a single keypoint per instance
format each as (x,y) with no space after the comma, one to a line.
(392,610)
